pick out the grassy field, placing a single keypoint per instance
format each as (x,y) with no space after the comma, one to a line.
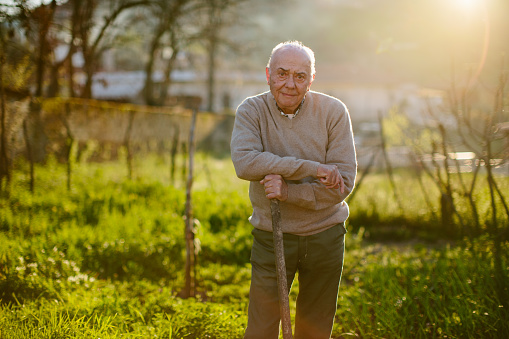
(106,259)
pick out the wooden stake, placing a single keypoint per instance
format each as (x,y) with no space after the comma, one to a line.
(190,281)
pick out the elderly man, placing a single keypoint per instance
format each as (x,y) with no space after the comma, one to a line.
(295,145)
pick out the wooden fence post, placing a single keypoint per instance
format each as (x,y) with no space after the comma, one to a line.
(29,154)
(174,149)
(127,144)
(69,143)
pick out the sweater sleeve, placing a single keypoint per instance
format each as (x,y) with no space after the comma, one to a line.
(340,152)
(250,159)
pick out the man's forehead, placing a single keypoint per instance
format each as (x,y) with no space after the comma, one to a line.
(291,59)
(297,71)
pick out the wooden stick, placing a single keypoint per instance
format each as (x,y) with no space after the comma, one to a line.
(284,303)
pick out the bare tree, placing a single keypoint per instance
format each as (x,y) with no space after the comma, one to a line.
(220,14)
(92,36)
(15,71)
(4,160)
(168,15)
(37,22)
(465,122)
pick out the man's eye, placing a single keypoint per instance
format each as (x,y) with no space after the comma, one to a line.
(282,74)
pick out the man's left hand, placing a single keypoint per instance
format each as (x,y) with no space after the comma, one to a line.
(275,187)
(329,176)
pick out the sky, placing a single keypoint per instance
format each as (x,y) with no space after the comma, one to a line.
(33,3)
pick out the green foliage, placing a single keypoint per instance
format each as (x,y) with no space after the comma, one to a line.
(18,75)
(393,126)
(135,310)
(106,259)
(421,292)
(374,207)
(35,271)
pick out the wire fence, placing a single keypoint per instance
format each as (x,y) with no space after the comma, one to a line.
(75,130)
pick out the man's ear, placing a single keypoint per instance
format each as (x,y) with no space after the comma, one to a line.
(267,74)
(312,79)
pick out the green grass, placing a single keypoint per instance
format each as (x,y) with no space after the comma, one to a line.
(418,213)
(106,259)
(414,291)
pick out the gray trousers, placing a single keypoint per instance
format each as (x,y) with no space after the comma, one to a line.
(319,260)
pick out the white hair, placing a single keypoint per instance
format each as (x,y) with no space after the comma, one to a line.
(297,45)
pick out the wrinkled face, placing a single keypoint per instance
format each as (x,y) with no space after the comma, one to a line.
(289,77)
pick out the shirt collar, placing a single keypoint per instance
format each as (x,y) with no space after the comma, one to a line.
(296,112)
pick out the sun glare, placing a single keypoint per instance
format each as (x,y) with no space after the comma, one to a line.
(468,4)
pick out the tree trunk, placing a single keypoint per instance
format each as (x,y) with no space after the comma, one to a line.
(165,86)
(29,156)
(45,21)
(212,71)
(148,90)
(89,72)
(4,160)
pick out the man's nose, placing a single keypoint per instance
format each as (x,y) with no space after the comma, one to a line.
(290,82)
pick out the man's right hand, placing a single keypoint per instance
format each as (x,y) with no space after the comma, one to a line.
(275,187)
(329,176)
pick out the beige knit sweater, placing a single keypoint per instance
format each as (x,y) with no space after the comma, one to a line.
(266,142)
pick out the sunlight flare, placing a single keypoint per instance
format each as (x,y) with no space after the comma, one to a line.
(468,4)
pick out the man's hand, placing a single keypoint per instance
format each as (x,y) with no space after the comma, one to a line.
(275,187)
(329,176)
